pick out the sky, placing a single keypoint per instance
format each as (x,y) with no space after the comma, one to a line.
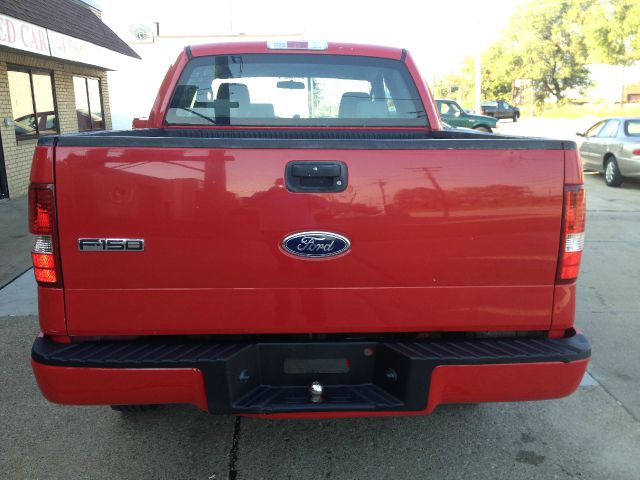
(439,34)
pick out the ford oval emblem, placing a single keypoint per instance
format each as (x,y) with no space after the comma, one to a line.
(315,244)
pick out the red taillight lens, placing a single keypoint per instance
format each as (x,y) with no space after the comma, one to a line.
(41,224)
(636,151)
(44,267)
(41,210)
(573,224)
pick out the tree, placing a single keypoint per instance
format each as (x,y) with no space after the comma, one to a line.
(500,67)
(544,43)
(459,85)
(612,34)
(550,47)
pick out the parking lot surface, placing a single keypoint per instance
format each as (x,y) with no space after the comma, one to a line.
(14,239)
(593,434)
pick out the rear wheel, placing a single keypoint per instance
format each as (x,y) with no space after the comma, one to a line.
(612,175)
(515,116)
(482,128)
(133,408)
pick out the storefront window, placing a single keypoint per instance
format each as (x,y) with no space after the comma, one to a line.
(32,102)
(88,103)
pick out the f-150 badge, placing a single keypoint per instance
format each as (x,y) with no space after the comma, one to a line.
(315,244)
(111,244)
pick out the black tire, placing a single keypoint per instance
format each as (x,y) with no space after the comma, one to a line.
(133,408)
(483,128)
(515,116)
(612,175)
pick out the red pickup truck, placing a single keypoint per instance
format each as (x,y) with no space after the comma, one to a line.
(294,233)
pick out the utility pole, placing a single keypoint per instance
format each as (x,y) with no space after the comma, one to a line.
(478,89)
(531,97)
(622,99)
(381,183)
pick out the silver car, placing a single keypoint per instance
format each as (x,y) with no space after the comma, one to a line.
(612,147)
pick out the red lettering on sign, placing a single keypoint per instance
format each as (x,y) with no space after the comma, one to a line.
(29,38)
(7,31)
(11,32)
(24,35)
(42,45)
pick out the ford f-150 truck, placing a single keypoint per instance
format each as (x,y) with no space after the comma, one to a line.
(293,233)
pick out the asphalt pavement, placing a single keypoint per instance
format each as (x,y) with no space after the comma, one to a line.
(593,434)
(14,239)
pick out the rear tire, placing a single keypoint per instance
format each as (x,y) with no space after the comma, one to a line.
(515,117)
(612,175)
(134,408)
(482,128)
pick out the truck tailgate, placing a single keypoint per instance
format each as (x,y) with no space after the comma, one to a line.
(441,240)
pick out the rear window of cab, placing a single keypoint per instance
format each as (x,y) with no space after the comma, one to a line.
(296,90)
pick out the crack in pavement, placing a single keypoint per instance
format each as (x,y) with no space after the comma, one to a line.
(604,387)
(233,452)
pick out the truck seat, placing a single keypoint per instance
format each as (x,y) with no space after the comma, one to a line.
(261,110)
(236,92)
(349,103)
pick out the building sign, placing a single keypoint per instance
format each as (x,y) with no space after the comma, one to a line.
(25,36)
(15,33)
(76,50)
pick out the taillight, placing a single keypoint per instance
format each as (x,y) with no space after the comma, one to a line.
(573,223)
(636,151)
(42,225)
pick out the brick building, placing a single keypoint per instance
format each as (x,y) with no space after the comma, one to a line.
(54,55)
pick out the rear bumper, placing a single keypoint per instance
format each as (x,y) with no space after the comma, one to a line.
(360,378)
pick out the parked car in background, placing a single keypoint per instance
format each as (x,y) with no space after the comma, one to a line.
(452,114)
(500,109)
(612,147)
(30,125)
(89,121)
(46,123)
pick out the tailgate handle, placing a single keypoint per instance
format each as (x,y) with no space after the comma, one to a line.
(316,177)
(315,170)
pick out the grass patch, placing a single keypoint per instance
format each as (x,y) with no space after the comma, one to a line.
(589,110)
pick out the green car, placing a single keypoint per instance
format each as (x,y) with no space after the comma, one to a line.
(452,114)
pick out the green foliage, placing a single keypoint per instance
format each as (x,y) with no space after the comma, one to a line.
(549,43)
(500,67)
(612,32)
(459,86)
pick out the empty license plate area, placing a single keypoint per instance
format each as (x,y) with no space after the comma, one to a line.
(298,366)
(301,364)
(279,377)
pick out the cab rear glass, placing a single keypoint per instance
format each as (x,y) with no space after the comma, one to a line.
(296,90)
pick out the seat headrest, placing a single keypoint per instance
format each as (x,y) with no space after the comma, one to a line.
(234,92)
(349,103)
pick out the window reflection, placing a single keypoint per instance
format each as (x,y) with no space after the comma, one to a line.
(95,103)
(88,103)
(47,121)
(32,116)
